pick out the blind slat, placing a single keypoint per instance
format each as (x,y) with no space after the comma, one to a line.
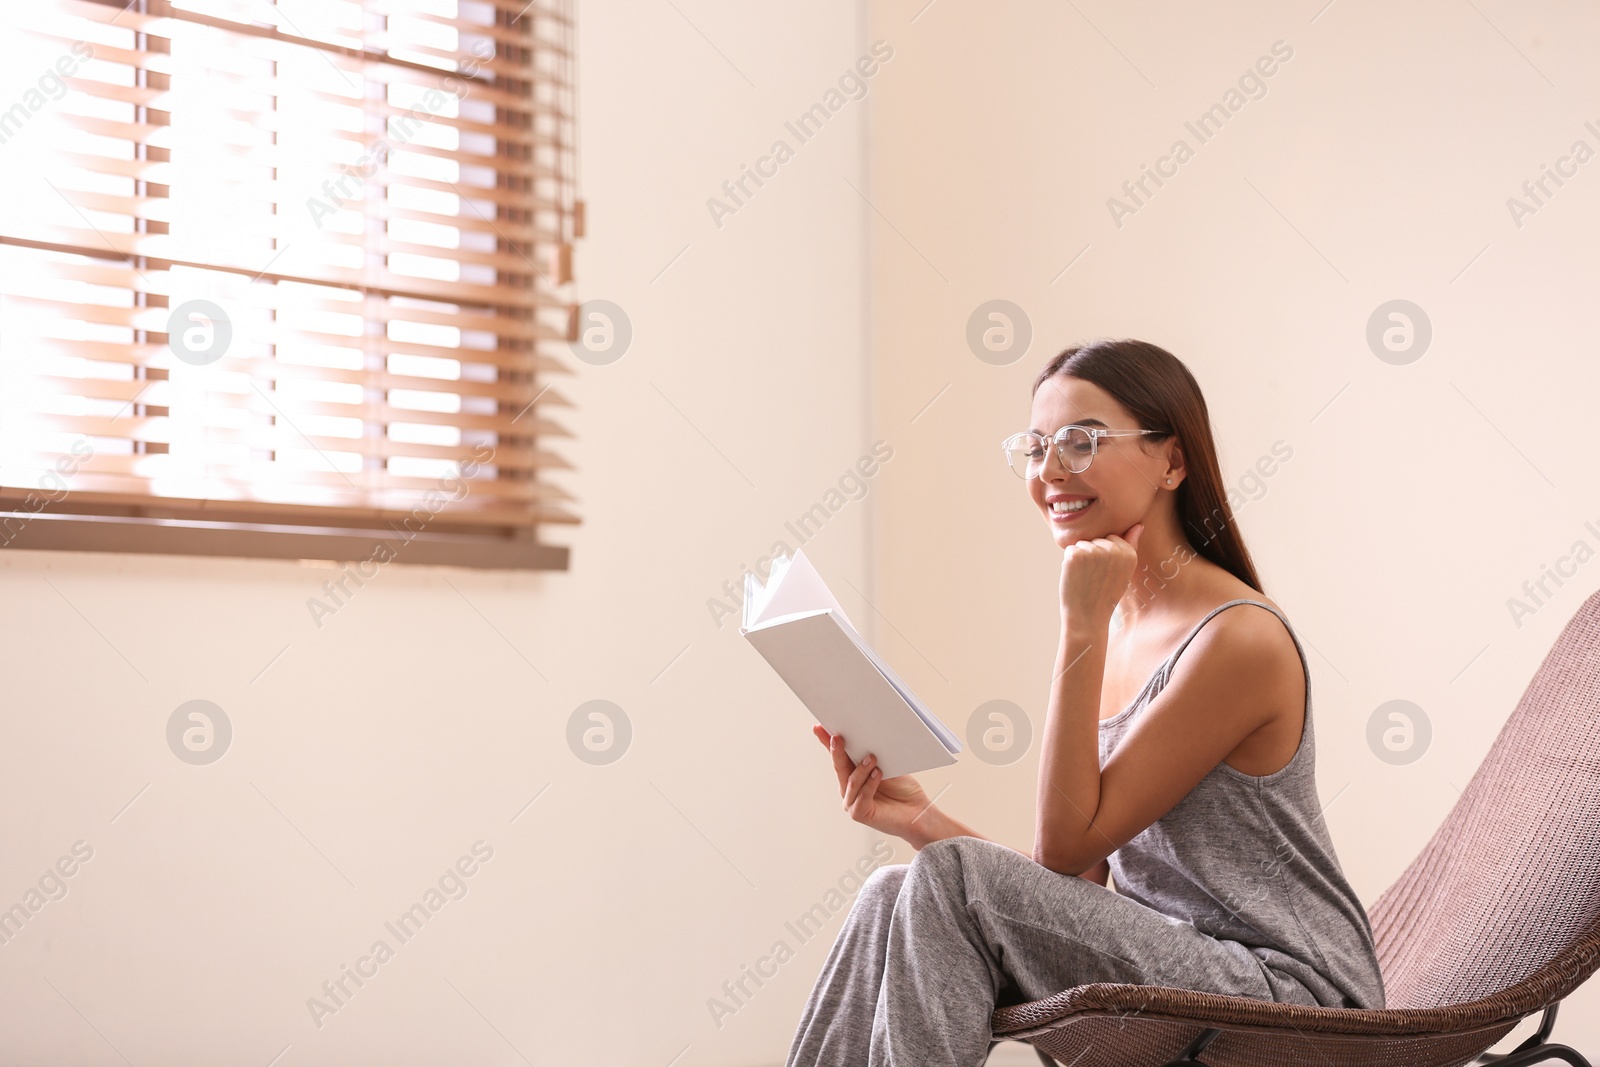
(125,496)
(163,249)
(268,405)
(155,392)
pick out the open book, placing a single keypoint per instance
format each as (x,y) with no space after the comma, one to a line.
(797,625)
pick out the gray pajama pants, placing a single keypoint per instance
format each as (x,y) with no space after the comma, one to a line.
(931,947)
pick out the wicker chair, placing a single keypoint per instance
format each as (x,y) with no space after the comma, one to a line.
(1498,918)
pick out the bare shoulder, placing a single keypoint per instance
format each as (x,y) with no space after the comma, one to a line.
(1257,669)
(1249,642)
(1260,632)
(1250,631)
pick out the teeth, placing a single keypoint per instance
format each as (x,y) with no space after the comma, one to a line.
(1071,505)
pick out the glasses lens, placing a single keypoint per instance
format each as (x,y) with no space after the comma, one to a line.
(1026,452)
(1077,449)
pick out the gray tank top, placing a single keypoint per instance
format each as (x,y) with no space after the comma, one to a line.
(1247,858)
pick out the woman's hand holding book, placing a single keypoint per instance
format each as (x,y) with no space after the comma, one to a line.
(889,805)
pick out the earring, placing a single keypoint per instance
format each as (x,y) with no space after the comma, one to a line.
(1169,481)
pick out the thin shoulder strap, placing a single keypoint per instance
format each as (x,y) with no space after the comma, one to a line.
(1172,660)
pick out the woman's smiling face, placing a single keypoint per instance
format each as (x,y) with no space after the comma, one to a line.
(1122,482)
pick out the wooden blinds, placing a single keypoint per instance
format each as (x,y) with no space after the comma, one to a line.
(282,278)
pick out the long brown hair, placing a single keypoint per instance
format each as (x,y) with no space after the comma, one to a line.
(1160,393)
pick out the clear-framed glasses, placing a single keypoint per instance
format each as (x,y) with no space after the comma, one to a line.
(1075,447)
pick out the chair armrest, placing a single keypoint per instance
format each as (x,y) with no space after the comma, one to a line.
(1549,984)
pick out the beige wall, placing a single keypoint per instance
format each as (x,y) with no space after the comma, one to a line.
(371,753)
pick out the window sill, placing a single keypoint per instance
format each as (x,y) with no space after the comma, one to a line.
(82,533)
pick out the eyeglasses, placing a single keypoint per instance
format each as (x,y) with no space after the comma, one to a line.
(1075,447)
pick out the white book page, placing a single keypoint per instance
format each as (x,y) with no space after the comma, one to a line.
(793,585)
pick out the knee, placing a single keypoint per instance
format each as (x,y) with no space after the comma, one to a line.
(882,886)
(951,851)
(941,865)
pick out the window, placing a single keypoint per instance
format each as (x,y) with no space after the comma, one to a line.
(282,278)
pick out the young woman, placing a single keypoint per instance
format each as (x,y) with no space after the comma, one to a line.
(1176,754)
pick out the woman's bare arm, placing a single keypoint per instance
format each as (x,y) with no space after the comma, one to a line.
(1086,811)
(935,825)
